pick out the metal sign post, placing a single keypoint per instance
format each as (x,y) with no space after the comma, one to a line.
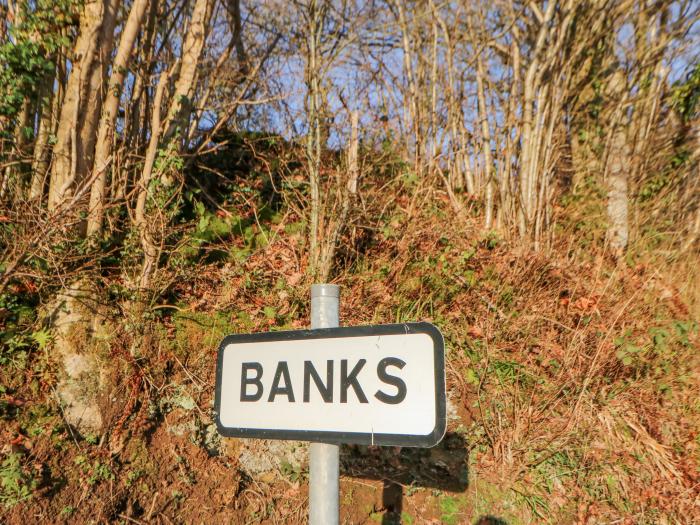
(324,470)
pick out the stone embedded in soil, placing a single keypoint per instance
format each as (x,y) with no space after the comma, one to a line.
(452,414)
(212,440)
(258,456)
(187,428)
(78,409)
(72,316)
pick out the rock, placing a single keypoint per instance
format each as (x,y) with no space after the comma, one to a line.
(73,316)
(211,440)
(257,456)
(451,414)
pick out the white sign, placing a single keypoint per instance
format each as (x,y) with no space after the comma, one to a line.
(381,385)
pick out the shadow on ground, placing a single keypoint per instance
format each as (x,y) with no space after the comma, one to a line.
(490,520)
(443,467)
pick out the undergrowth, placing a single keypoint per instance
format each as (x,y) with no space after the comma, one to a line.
(573,380)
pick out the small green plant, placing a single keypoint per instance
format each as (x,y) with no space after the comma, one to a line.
(536,503)
(292,472)
(68,510)
(15,484)
(450,508)
(100,472)
(625,351)
(42,338)
(96,472)
(491,240)
(686,93)
(471,376)
(133,476)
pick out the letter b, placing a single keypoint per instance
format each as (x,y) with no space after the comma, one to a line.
(245,381)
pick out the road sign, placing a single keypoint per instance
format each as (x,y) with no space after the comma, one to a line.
(381,385)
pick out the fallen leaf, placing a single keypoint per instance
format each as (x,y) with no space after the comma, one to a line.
(475,331)
(586,304)
(294,279)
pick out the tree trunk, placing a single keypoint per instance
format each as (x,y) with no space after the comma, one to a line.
(89,115)
(40,161)
(234,9)
(64,173)
(413,106)
(105,134)
(313,137)
(13,185)
(150,252)
(618,164)
(348,191)
(528,145)
(177,120)
(485,144)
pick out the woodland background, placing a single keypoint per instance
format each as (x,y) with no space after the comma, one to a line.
(526,175)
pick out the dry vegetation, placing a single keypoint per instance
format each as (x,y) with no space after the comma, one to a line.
(574,384)
(522,174)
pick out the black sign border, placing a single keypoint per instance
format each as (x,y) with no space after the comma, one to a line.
(357,438)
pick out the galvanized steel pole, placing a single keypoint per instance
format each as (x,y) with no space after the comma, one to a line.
(324,470)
